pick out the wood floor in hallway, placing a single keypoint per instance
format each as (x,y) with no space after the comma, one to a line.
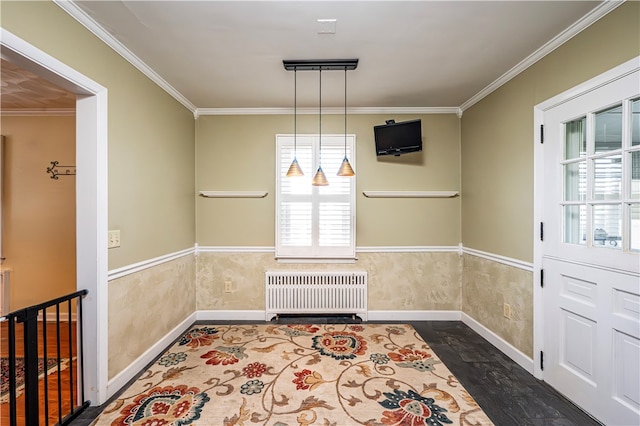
(60,386)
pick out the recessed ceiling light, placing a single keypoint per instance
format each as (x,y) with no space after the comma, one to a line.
(326,26)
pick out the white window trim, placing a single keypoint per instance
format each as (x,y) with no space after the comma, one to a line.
(315,254)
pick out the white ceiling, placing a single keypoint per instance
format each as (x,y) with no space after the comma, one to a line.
(412,54)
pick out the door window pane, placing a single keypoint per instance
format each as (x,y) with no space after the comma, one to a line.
(635,174)
(575,224)
(575,181)
(635,122)
(608,127)
(634,218)
(575,139)
(607,221)
(607,182)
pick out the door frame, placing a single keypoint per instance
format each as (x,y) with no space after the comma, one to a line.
(609,76)
(91,201)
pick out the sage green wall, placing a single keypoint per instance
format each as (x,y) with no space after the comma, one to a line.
(238,153)
(150,177)
(151,135)
(497,171)
(498,134)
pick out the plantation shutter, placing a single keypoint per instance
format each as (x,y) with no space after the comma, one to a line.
(314,221)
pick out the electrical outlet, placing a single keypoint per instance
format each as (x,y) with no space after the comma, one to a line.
(114,239)
(227,286)
(507,311)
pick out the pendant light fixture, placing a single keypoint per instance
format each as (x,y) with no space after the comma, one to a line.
(294,168)
(320,179)
(345,168)
(321,65)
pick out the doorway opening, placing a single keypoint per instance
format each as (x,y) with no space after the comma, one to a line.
(91,199)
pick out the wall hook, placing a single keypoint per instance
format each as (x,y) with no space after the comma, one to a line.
(56,170)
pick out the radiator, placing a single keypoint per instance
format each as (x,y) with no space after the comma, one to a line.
(316,292)
(4,292)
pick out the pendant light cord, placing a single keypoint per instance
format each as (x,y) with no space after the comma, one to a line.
(320,122)
(295,122)
(345,112)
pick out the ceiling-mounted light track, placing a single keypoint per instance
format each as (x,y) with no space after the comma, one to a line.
(320,64)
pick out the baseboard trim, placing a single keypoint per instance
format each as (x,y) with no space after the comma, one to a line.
(230,315)
(414,315)
(122,378)
(259,315)
(505,347)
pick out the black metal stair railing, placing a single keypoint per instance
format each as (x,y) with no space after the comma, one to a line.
(70,400)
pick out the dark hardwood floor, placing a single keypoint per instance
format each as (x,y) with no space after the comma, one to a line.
(506,392)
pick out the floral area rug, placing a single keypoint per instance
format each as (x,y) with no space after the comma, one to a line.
(332,375)
(52,367)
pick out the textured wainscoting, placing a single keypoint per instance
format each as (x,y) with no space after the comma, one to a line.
(486,286)
(411,281)
(145,306)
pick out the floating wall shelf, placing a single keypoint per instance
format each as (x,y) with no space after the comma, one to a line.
(233,194)
(410,194)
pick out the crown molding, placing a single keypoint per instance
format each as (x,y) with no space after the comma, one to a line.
(573,30)
(87,21)
(83,18)
(329,111)
(38,112)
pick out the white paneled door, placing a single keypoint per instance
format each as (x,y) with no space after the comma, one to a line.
(591,249)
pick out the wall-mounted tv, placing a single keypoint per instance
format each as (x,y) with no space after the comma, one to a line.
(398,138)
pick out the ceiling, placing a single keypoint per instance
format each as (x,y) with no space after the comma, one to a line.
(228,54)
(21,89)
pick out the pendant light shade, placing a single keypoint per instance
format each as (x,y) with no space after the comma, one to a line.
(294,168)
(319,179)
(345,168)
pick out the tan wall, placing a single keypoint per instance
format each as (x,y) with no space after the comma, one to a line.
(396,281)
(151,136)
(145,306)
(486,287)
(238,153)
(498,134)
(40,212)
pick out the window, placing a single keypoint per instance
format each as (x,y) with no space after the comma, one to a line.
(601,164)
(315,221)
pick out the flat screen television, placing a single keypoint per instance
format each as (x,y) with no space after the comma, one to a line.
(398,138)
